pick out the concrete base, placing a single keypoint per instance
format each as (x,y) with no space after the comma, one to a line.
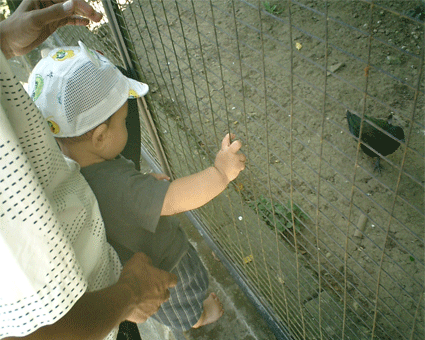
(153,330)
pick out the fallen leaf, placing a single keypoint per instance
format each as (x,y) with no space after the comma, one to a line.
(248,259)
(215,257)
(281,279)
(335,68)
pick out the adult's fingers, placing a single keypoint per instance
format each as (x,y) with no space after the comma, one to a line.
(66,13)
(72,21)
(168,279)
(80,7)
(140,256)
(172,281)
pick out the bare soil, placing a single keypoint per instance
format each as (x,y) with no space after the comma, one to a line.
(268,88)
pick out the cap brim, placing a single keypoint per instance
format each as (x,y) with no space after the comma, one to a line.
(137,89)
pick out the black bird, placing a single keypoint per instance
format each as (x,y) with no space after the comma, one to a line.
(418,12)
(374,139)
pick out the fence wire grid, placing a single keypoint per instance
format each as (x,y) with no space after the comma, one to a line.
(332,248)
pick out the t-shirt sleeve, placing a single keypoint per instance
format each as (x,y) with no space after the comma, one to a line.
(126,195)
(145,200)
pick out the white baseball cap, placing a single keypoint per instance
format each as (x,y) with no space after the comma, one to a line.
(77,89)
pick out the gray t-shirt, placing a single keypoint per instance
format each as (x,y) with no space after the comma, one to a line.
(131,204)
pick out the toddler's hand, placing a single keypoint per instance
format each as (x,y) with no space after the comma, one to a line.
(229,161)
(160,177)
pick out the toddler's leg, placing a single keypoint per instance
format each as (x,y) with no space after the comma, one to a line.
(187,300)
(213,310)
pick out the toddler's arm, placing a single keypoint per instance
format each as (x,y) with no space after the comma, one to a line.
(194,191)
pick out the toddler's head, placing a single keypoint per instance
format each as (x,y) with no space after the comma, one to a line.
(77,89)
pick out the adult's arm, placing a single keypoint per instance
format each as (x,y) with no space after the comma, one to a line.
(137,295)
(34,21)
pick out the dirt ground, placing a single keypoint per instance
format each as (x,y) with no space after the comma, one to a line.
(268,87)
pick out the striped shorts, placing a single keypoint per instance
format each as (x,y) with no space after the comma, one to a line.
(185,306)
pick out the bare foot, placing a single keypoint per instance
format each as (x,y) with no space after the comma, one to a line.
(213,310)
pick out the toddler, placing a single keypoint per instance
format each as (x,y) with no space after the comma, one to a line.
(84,99)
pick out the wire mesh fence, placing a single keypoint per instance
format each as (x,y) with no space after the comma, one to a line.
(330,240)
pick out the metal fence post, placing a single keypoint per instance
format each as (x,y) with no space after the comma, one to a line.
(123,47)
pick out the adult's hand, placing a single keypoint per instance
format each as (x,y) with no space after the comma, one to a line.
(35,20)
(149,286)
(137,295)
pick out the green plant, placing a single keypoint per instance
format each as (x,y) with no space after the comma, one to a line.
(272,9)
(282,218)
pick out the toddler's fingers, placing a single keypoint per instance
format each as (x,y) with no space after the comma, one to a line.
(235,146)
(242,160)
(227,140)
(160,177)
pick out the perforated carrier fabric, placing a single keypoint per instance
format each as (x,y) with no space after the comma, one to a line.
(52,239)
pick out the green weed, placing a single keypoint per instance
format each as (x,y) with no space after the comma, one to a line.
(272,9)
(282,214)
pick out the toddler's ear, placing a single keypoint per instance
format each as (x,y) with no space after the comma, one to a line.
(98,137)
